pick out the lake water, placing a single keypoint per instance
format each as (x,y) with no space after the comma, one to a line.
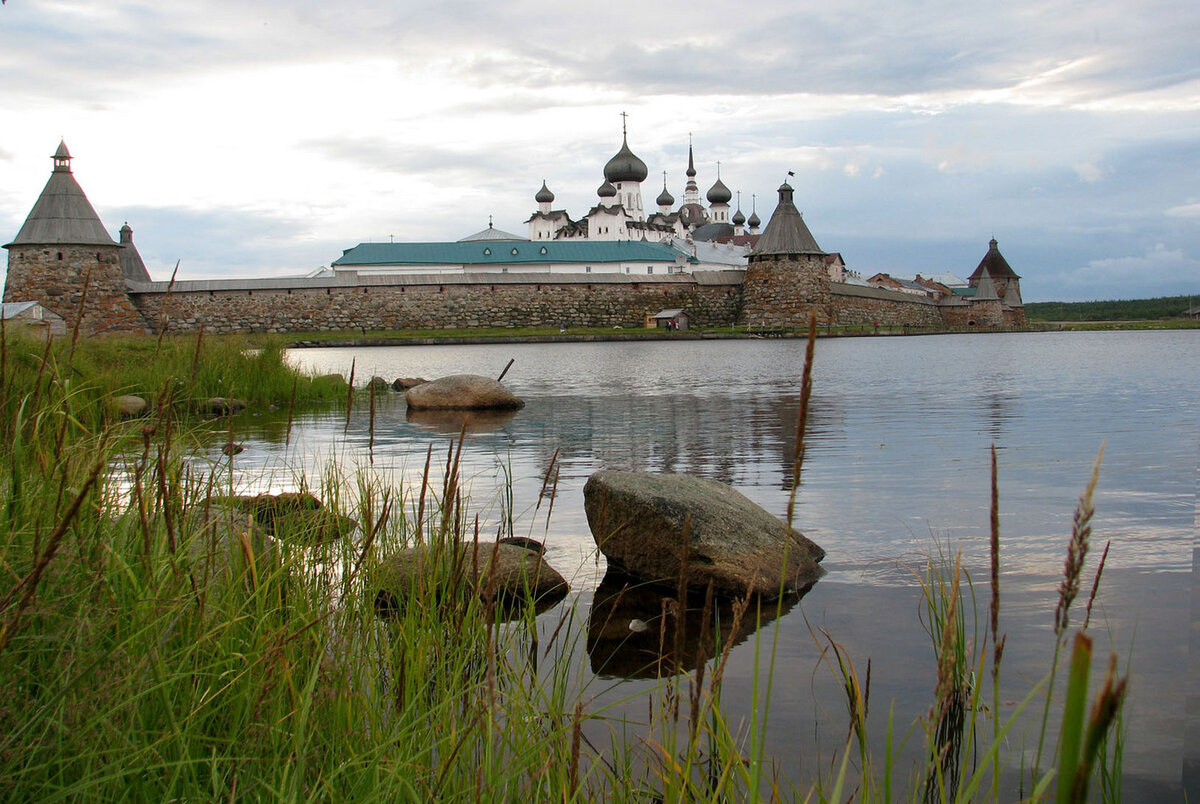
(897,465)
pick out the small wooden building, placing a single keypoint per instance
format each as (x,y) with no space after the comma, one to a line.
(668,319)
(34,318)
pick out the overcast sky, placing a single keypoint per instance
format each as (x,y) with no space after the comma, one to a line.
(262,137)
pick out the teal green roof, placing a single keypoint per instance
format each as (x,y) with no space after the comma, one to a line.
(505,253)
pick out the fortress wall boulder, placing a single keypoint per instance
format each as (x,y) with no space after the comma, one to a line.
(436,305)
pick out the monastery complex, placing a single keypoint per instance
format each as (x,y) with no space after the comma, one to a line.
(615,266)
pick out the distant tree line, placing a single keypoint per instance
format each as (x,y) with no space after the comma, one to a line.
(1118,310)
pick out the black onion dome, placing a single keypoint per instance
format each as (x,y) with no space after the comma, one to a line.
(753,220)
(738,218)
(544,196)
(606,190)
(625,166)
(665,199)
(719,193)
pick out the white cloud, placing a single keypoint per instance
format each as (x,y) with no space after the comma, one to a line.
(1191,210)
(1088,172)
(1158,271)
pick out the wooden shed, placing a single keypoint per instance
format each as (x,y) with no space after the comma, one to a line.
(668,319)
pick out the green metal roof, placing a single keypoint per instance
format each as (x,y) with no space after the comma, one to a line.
(506,253)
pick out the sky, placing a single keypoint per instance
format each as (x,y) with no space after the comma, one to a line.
(245,138)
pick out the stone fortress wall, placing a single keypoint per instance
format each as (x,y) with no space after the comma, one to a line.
(718,299)
(464,301)
(437,302)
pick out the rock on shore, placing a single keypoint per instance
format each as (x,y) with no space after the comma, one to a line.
(638,521)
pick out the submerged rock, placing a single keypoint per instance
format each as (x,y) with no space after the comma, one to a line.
(462,392)
(221,406)
(379,385)
(504,573)
(290,516)
(638,520)
(334,380)
(128,405)
(404,383)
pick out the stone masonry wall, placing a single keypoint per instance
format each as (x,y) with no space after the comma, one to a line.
(855,306)
(783,292)
(56,276)
(434,306)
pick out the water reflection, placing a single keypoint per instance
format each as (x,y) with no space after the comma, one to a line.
(454,422)
(632,627)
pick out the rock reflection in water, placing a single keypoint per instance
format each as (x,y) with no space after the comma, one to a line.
(453,421)
(631,628)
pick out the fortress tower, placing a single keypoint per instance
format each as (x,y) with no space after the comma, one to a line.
(995,281)
(786,277)
(64,259)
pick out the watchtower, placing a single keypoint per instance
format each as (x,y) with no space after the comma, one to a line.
(786,278)
(64,259)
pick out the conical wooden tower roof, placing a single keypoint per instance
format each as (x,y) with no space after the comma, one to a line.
(62,214)
(994,264)
(786,232)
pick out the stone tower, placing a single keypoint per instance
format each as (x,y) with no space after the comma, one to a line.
(995,281)
(786,278)
(64,259)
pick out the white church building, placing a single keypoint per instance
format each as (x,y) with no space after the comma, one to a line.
(615,236)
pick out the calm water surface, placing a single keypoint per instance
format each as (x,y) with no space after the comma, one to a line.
(897,465)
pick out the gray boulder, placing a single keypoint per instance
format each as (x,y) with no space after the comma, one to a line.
(637,520)
(462,392)
(404,383)
(221,406)
(505,573)
(128,405)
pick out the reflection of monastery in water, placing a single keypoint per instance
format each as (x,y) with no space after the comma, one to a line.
(615,266)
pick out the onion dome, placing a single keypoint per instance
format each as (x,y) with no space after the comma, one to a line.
(607,190)
(753,220)
(691,168)
(544,196)
(625,166)
(738,218)
(719,193)
(665,199)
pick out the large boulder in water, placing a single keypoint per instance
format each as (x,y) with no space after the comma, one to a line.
(462,392)
(638,521)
